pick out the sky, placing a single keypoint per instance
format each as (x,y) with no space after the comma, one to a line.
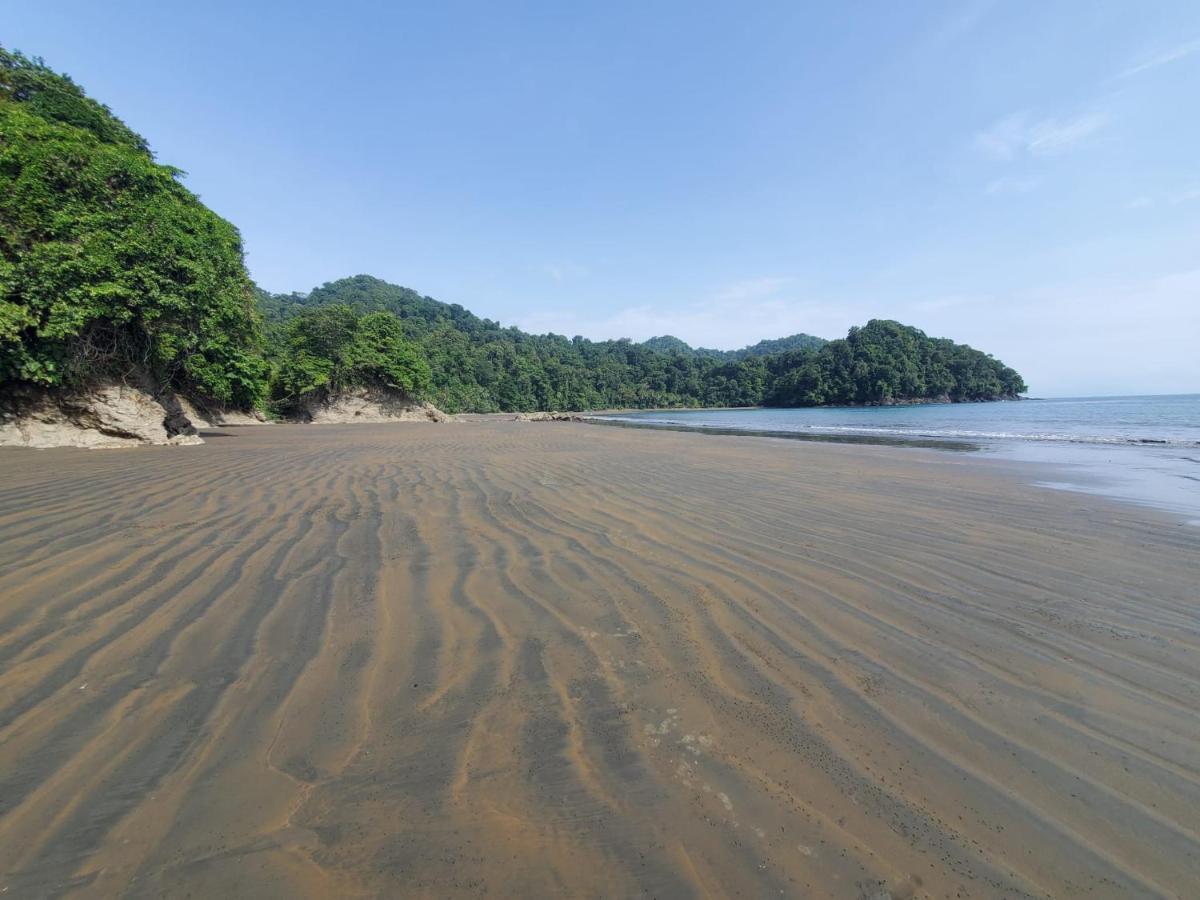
(1020,176)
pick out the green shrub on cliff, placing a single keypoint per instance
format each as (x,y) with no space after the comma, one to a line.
(332,348)
(108,265)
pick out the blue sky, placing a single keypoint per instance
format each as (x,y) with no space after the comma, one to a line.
(1021,176)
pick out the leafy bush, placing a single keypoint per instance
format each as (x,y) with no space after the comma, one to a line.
(108,265)
(332,348)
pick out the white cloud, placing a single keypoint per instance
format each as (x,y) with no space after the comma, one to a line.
(1071,338)
(1185,196)
(733,316)
(752,288)
(1011,185)
(1176,198)
(1160,58)
(1018,135)
(564,271)
(1087,336)
(958,25)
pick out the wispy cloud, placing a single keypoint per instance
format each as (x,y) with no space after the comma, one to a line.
(732,316)
(1188,195)
(1021,135)
(1011,185)
(752,288)
(961,22)
(1160,58)
(564,271)
(1173,198)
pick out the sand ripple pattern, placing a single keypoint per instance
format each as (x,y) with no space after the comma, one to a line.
(563,660)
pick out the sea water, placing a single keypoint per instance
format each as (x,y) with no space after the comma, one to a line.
(1141,449)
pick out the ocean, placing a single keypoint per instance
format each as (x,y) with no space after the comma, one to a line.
(1139,449)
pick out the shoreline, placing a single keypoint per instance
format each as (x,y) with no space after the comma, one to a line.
(1160,474)
(557,659)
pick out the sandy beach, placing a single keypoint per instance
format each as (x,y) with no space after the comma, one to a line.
(561,659)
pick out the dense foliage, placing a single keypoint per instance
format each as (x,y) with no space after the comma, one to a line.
(886,362)
(668,343)
(772,346)
(478,365)
(331,348)
(108,265)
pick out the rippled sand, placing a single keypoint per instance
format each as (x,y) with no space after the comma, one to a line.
(568,660)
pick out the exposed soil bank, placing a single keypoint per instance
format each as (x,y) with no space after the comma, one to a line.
(105,416)
(579,661)
(215,417)
(368,406)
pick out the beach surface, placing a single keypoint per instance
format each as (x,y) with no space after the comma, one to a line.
(559,659)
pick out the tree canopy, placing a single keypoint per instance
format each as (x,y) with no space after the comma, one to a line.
(477,365)
(886,362)
(107,263)
(668,343)
(328,349)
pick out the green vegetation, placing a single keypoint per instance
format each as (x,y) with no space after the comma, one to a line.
(886,362)
(668,343)
(479,366)
(331,348)
(780,345)
(108,265)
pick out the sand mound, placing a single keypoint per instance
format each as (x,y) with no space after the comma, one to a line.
(365,405)
(106,416)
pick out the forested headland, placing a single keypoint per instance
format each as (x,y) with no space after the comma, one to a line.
(109,265)
(477,365)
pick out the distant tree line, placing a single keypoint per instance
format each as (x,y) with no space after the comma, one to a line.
(477,365)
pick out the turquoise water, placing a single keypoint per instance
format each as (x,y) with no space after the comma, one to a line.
(1140,449)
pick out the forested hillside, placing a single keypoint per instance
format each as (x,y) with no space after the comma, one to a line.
(477,365)
(668,343)
(886,362)
(480,366)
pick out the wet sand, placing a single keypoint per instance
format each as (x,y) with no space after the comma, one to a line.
(568,660)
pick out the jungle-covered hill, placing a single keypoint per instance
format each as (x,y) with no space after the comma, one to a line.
(668,343)
(479,365)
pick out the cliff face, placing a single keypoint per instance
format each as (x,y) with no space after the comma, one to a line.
(104,416)
(212,417)
(368,404)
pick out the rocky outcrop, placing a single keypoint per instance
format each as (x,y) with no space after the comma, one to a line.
(366,405)
(548,417)
(210,417)
(104,416)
